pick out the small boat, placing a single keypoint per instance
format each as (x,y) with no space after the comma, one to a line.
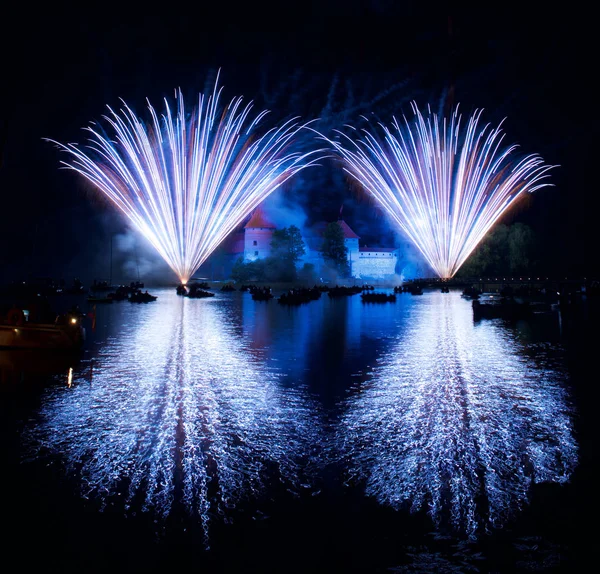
(471,292)
(262,295)
(299,296)
(416,290)
(342,291)
(495,306)
(120,294)
(139,297)
(377,297)
(66,333)
(199,294)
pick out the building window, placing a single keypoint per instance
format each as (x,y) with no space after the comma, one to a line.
(255,243)
(256,253)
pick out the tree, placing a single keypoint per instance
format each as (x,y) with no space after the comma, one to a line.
(287,247)
(490,256)
(334,249)
(288,243)
(505,250)
(240,272)
(521,248)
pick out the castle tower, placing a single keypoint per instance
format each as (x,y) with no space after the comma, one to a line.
(258,233)
(351,241)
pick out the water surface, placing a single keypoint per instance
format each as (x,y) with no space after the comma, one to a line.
(211,423)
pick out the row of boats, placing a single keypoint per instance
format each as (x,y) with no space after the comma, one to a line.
(300,295)
(32,327)
(137,296)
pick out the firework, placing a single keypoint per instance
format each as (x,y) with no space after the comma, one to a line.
(444,186)
(187,182)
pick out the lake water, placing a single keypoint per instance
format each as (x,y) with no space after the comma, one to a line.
(229,434)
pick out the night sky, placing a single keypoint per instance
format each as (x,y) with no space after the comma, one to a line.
(63,66)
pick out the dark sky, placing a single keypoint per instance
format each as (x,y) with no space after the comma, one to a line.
(62,66)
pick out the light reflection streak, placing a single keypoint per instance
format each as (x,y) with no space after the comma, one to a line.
(458,421)
(179,412)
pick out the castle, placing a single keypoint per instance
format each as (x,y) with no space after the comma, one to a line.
(253,242)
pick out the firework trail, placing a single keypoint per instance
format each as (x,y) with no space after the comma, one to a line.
(187,182)
(444,186)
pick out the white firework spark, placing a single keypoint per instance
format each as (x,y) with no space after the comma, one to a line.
(444,186)
(186,183)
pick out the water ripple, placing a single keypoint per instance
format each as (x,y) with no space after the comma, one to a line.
(179,411)
(459,421)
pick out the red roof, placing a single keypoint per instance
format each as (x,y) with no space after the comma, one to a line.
(348,233)
(319,228)
(259,219)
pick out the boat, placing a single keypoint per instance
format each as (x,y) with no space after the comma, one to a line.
(298,296)
(66,333)
(378,297)
(139,297)
(121,293)
(341,291)
(261,293)
(264,294)
(199,294)
(471,292)
(194,291)
(495,306)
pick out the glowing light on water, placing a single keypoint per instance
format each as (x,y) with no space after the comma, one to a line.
(200,407)
(186,181)
(179,412)
(458,421)
(443,186)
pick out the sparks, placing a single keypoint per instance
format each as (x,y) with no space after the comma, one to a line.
(445,187)
(187,182)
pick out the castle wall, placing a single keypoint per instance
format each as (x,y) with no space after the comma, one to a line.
(376,264)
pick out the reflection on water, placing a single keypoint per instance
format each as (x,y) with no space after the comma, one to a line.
(179,411)
(458,420)
(197,405)
(32,366)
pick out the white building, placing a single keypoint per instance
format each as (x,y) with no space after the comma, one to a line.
(253,242)
(365,262)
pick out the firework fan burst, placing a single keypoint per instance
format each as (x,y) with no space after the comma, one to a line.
(443,185)
(186,181)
